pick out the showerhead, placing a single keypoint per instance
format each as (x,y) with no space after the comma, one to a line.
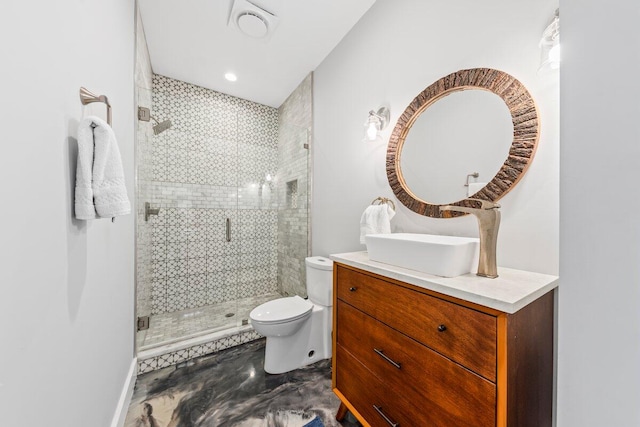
(158,128)
(144,114)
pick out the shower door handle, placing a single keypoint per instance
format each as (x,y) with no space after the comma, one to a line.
(228,229)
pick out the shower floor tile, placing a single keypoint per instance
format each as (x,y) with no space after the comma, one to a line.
(168,328)
(231,389)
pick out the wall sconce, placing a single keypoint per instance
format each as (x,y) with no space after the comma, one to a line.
(550,45)
(377,121)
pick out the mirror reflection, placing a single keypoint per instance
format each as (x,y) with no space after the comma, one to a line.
(470,132)
(466,132)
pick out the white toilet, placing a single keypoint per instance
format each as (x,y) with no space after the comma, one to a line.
(298,331)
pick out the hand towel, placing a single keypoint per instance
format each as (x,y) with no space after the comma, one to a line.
(376,219)
(100,186)
(85,209)
(474,187)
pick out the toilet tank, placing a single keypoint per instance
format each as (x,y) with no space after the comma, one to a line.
(320,280)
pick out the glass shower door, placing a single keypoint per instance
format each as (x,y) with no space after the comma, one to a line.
(293,210)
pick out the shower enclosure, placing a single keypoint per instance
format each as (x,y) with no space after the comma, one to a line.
(229,183)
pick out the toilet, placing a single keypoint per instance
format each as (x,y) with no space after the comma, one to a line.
(298,330)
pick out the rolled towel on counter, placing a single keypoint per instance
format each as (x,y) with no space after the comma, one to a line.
(474,187)
(376,219)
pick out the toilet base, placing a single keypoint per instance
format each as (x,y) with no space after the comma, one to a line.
(308,345)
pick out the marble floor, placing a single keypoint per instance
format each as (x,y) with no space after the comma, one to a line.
(231,389)
(167,328)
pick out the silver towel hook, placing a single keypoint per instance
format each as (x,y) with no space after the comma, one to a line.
(382,200)
(88,97)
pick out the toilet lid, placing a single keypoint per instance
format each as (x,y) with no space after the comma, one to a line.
(281,310)
(319,262)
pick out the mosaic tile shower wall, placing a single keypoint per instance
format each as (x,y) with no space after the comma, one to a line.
(214,164)
(182,355)
(295,121)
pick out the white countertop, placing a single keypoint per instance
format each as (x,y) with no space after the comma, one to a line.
(510,292)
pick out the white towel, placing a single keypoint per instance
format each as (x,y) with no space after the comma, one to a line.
(100,189)
(376,219)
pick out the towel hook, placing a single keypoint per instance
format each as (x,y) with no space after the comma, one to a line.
(87,97)
(382,200)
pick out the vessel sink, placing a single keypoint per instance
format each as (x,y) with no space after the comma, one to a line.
(446,256)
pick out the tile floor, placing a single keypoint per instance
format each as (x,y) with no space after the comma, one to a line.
(231,389)
(168,328)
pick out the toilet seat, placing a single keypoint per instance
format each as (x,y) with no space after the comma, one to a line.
(281,310)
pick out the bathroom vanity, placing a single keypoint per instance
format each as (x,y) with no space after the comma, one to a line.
(411,349)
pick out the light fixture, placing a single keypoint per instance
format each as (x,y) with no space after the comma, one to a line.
(231,77)
(377,121)
(550,45)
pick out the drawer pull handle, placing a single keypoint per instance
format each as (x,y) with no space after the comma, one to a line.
(387,358)
(442,328)
(352,289)
(383,415)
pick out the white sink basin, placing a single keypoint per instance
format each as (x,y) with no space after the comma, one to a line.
(446,256)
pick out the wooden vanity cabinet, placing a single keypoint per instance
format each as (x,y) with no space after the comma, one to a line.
(407,356)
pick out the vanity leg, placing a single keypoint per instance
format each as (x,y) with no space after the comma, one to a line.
(342,412)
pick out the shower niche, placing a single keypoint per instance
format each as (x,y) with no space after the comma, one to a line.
(292,194)
(230,177)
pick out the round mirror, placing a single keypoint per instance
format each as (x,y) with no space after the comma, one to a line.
(443,154)
(477,127)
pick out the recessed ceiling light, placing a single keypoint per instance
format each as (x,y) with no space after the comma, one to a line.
(231,77)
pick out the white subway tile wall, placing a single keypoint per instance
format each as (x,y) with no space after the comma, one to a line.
(294,141)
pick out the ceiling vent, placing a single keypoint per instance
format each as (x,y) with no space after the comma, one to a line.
(252,20)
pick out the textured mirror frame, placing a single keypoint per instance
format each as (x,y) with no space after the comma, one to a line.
(525,136)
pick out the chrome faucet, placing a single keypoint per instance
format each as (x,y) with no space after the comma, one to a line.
(488,217)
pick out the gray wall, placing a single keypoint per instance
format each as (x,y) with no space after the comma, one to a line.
(550,224)
(68,286)
(599,301)
(398,48)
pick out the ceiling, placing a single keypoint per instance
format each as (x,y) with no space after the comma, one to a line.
(192,41)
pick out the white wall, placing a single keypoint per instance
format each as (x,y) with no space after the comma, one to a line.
(396,50)
(599,297)
(66,308)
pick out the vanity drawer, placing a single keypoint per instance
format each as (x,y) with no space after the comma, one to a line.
(419,374)
(464,335)
(364,390)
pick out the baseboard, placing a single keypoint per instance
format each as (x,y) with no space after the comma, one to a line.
(125,397)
